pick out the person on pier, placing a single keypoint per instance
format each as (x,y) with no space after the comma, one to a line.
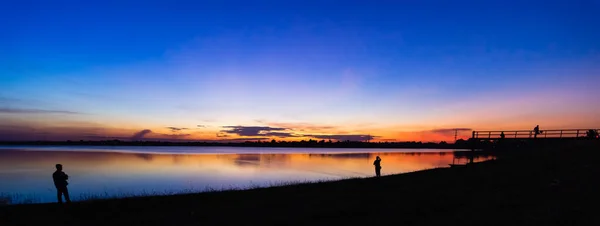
(536,131)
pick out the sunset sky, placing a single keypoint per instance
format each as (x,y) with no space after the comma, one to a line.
(293,70)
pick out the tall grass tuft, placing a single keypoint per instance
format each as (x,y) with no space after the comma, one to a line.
(15,198)
(5,199)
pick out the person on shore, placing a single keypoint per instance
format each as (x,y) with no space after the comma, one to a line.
(536,131)
(60,182)
(502,136)
(377,164)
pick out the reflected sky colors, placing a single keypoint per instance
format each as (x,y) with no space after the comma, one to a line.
(293,70)
(28,171)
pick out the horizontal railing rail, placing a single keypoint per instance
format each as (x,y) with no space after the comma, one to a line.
(524,134)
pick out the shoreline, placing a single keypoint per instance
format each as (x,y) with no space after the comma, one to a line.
(533,187)
(14,196)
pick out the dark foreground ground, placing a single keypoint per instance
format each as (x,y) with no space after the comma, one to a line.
(541,186)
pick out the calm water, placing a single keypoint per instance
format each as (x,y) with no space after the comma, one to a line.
(133,170)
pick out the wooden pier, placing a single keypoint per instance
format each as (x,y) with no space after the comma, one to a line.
(530,134)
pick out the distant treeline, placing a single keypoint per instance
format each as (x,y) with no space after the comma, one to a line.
(460,144)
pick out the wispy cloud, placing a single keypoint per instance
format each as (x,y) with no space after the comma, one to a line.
(287,132)
(176,129)
(297,126)
(244,139)
(251,130)
(222,135)
(343,137)
(280,134)
(34,111)
(139,135)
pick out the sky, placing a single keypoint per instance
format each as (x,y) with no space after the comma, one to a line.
(294,70)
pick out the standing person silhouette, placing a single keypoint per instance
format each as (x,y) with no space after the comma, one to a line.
(536,131)
(60,182)
(377,164)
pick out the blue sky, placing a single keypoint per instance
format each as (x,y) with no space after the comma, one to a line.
(359,67)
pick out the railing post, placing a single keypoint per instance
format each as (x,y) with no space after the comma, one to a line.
(489,134)
(516,133)
(577,134)
(560,134)
(473,134)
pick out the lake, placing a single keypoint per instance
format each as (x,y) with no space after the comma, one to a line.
(108,171)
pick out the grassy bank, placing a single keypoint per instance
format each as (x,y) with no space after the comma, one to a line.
(535,187)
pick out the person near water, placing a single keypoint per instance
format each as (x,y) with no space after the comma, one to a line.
(377,165)
(60,182)
(502,136)
(536,131)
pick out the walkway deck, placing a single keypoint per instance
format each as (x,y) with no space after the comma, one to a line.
(529,134)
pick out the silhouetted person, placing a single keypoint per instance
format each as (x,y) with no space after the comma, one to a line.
(592,134)
(377,164)
(536,131)
(60,182)
(502,135)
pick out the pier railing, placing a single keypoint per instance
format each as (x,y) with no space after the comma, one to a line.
(527,134)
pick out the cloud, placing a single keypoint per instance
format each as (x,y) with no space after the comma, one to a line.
(280,134)
(285,132)
(34,111)
(158,136)
(201,126)
(176,129)
(244,139)
(298,126)
(222,135)
(343,137)
(139,135)
(251,130)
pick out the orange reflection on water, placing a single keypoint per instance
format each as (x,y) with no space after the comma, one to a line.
(115,172)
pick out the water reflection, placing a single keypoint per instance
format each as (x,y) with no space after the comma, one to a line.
(29,172)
